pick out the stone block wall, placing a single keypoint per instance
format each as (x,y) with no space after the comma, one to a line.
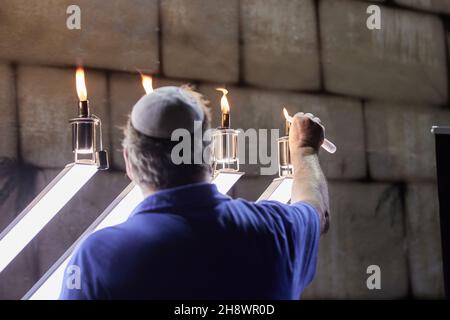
(378,92)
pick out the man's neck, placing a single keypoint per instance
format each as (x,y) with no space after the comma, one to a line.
(147,191)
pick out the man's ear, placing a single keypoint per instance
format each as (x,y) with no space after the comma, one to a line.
(127,164)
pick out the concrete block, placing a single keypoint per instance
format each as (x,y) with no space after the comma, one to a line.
(366,229)
(200,39)
(399,142)
(260,109)
(37,32)
(126,90)
(47,100)
(9,191)
(437,6)
(404,61)
(280,44)
(8,123)
(424,241)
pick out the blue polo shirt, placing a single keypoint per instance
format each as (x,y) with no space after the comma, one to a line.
(192,242)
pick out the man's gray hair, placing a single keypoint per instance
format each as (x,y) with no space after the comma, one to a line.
(150,158)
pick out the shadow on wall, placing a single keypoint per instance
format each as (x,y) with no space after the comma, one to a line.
(17,189)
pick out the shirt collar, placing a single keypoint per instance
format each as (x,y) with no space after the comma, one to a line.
(184,197)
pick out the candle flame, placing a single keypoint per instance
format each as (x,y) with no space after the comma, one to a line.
(286,115)
(224,105)
(147,83)
(81,84)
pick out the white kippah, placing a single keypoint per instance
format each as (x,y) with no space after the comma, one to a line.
(159,113)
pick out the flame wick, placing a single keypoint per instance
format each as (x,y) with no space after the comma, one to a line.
(147,83)
(81,84)
(224,105)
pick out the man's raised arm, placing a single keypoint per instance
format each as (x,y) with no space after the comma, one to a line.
(305,138)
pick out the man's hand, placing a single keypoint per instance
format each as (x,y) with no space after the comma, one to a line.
(305,138)
(306,132)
